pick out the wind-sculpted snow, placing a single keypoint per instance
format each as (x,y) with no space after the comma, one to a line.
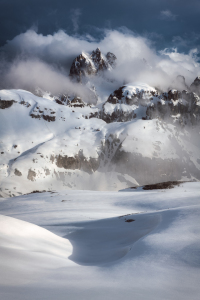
(143,140)
(141,242)
(108,240)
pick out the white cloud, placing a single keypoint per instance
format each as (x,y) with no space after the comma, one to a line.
(75,16)
(167,15)
(44,61)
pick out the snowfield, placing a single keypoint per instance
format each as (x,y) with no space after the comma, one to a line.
(131,244)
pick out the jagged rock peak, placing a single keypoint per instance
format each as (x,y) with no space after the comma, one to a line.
(99,60)
(86,65)
(195,86)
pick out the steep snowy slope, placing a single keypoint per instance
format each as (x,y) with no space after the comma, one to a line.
(45,145)
(135,243)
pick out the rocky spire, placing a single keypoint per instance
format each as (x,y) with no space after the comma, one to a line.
(85,65)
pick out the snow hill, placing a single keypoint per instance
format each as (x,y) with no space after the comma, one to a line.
(137,243)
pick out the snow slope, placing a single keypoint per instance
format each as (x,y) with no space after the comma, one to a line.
(135,243)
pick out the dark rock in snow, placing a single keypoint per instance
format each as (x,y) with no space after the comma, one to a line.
(31,175)
(6,103)
(17,173)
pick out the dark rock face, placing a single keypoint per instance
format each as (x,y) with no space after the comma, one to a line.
(100,63)
(49,118)
(6,103)
(116,96)
(87,65)
(162,185)
(195,86)
(117,116)
(174,95)
(77,102)
(62,99)
(59,102)
(81,67)
(77,162)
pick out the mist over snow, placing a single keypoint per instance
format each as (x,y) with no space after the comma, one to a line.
(33,60)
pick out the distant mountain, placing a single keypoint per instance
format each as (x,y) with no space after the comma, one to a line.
(86,65)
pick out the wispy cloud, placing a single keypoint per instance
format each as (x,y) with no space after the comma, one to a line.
(33,60)
(75,16)
(167,15)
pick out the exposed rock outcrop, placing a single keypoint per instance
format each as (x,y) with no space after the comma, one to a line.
(144,102)
(6,103)
(17,172)
(31,175)
(86,65)
(46,114)
(77,162)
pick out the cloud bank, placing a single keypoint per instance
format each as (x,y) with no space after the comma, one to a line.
(33,60)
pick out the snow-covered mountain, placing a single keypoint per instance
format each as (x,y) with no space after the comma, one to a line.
(59,239)
(136,137)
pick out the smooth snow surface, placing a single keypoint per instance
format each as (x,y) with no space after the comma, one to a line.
(132,244)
